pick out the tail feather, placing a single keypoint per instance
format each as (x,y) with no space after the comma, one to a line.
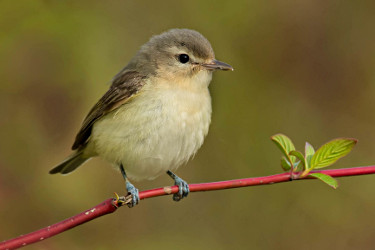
(70,164)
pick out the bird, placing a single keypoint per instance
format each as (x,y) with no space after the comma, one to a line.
(156,113)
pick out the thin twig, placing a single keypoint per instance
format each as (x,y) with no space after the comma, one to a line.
(111,205)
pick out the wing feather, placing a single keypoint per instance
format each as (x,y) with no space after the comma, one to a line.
(125,85)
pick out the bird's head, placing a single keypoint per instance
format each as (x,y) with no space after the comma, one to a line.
(176,55)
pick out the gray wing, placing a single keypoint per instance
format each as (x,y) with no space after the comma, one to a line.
(125,85)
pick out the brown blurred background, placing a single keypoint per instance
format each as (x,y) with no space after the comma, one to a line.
(304,68)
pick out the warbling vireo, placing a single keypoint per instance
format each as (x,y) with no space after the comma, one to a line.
(156,113)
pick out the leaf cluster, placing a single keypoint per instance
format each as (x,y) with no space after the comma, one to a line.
(295,162)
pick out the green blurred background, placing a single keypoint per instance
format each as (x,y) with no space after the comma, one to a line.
(303,68)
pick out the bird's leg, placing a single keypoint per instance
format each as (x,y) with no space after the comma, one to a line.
(130,188)
(183,187)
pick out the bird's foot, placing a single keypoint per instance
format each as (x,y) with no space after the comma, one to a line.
(183,187)
(133,192)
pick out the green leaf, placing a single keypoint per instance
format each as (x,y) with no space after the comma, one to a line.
(285,145)
(298,166)
(309,153)
(285,164)
(330,152)
(299,155)
(326,179)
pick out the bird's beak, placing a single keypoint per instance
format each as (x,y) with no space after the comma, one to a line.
(215,64)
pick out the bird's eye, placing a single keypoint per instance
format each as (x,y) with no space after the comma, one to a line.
(183,58)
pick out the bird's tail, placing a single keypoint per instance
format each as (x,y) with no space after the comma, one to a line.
(70,164)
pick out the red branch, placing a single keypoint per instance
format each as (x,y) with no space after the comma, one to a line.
(111,205)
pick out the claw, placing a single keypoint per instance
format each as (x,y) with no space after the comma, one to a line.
(131,189)
(183,187)
(134,193)
(119,201)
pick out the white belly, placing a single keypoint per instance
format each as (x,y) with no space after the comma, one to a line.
(155,132)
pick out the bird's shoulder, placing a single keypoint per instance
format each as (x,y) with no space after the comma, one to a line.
(125,84)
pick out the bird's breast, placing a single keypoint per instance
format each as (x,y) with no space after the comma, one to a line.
(160,129)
